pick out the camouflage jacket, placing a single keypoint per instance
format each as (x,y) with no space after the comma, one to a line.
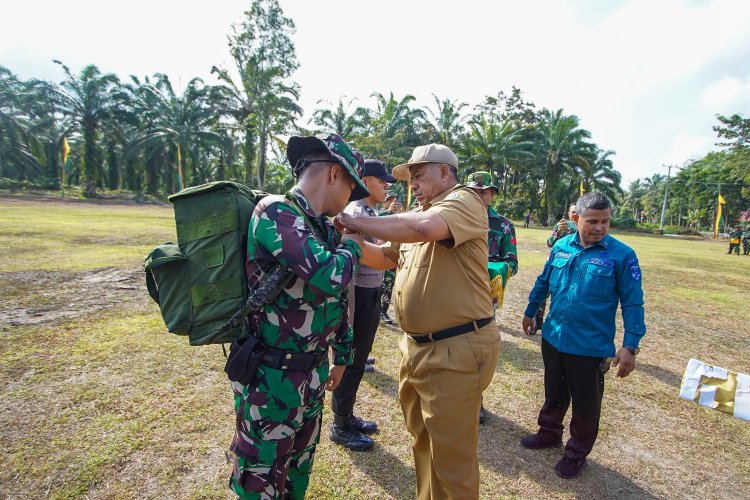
(501,240)
(310,313)
(559,233)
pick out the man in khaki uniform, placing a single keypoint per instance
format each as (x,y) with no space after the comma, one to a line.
(443,304)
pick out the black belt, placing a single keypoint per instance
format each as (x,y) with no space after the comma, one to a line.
(298,361)
(451,332)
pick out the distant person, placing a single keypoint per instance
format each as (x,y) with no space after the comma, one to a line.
(734,240)
(587,274)
(348,429)
(527,220)
(560,230)
(746,241)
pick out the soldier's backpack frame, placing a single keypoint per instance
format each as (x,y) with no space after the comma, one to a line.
(200,282)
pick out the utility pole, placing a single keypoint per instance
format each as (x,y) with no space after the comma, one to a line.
(664,205)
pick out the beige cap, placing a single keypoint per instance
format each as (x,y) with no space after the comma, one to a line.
(431,153)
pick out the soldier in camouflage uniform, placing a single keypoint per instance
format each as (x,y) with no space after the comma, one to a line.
(734,240)
(560,230)
(390,207)
(746,241)
(501,238)
(279,413)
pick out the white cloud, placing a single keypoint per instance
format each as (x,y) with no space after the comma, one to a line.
(687,147)
(727,94)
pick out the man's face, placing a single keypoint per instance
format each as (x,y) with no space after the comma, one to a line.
(486,195)
(427,181)
(593,226)
(378,188)
(341,186)
(571,212)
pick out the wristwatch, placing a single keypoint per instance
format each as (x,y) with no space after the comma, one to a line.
(633,350)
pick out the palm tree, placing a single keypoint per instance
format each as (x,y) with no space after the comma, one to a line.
(496,147)
(179,123)
(89,99)
(339,120)
(447,122)
(564,150)
(600,175)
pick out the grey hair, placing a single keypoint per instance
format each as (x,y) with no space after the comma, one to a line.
(592,201)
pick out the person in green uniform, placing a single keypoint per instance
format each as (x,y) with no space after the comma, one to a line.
(501,239)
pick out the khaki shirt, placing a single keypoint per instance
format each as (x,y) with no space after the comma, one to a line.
(444,284)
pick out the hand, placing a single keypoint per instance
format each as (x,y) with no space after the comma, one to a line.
(624,361)
(563,223)
(345,222)
(334,376)
(396,208)
(358,238)
(528,325)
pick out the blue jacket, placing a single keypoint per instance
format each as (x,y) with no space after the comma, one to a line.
(585,285)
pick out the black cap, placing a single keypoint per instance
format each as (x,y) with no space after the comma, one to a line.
(376,168)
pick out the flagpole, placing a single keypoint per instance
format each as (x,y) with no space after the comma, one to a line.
(179,166)
(66,151)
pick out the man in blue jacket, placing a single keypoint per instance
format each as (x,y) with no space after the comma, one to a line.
(587,274)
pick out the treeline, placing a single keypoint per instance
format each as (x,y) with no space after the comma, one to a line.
(138,134)
(694,189)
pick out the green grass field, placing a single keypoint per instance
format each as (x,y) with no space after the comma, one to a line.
(97,400)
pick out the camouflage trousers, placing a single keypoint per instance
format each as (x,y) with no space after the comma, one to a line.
(389,278)
(273,447)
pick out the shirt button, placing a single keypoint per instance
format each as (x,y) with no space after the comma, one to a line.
(288,356)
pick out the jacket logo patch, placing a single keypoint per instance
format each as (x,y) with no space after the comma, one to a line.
(635,270)
(602,262)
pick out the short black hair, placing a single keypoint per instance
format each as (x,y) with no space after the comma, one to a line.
(592,201)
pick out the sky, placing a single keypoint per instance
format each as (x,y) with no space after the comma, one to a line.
(646,77)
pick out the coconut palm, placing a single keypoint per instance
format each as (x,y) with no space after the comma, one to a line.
(447,123)
(339,120)
(89,99)
(563,149)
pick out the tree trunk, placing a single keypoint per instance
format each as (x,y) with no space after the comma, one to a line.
(249,151)
(90,166)
(262,159)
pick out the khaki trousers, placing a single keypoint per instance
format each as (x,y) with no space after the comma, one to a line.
(440,389)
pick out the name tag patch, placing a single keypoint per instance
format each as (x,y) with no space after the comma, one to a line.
(602,262)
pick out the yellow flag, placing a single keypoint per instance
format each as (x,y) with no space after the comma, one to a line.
(580,189)
(66,150)
(719,214)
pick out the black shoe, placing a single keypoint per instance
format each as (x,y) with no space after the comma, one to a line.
(371,360)
(568,468)
(369,368)
(482,414)
(539,441)
(386,319)
(363,426)
(350,438)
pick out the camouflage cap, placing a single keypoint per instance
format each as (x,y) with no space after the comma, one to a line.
(337,147)
(390,194)
(481,180)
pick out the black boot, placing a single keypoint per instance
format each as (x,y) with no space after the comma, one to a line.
(345,434)
(482,414)
(363,426)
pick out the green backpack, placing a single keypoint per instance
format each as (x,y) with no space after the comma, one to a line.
(200,282)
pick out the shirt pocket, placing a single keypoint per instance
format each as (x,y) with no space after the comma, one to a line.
(599,282)
(423,254)
(559,268)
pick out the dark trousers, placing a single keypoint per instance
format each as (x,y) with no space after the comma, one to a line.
(365,324)
(578,378)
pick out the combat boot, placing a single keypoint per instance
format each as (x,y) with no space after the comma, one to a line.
(344,433)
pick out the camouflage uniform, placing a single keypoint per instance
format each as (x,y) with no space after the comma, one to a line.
(279,414)
(389,278)
(736,234)
(502,241)
(746,241)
